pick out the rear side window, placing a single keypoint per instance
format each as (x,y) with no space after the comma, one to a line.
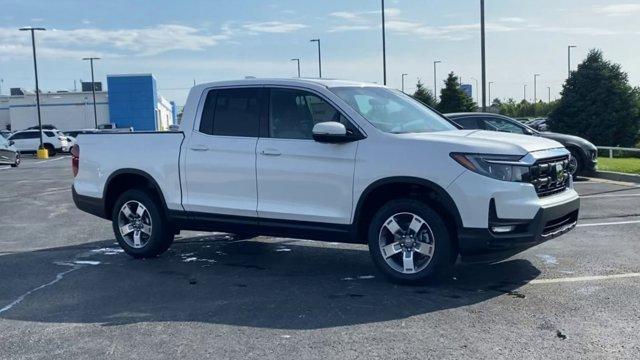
(467,122)
(232,112)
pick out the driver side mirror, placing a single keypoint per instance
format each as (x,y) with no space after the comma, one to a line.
(330,132)
(11,142)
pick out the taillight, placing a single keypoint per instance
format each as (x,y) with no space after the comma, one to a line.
(75,159)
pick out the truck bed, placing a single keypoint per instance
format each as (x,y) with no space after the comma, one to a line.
(153,153)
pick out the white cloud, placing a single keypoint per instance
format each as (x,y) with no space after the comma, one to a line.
(340,28)
(512,19)
(345,15)
(141,42)
(274,27)
(619,9)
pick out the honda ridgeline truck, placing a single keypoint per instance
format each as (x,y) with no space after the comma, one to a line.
(328,160)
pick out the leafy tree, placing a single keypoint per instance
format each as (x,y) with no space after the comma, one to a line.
(424,95)
(598,104)
(453,99)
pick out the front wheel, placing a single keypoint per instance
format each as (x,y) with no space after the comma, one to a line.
(139,226)
(409,242)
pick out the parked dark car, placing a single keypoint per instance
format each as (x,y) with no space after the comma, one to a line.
(584,155)
(9,155)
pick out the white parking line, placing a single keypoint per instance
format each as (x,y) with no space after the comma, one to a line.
(607,196)
(611,223)
(44,161)
(584,278)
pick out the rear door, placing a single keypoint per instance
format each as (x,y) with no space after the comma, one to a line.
(221,153)
(299,178)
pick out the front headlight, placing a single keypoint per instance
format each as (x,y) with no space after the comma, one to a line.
(501,167)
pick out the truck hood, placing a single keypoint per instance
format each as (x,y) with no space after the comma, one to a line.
(488,142)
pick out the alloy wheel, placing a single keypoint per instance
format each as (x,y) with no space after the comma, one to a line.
(134,222)
(407,243)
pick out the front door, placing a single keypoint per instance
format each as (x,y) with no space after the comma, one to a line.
(299,178)
(221,154)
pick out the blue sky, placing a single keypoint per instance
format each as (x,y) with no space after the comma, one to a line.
(179,41)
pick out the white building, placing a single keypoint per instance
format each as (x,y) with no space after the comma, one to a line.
(65,110)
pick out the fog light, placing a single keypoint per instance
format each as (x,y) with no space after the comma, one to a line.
(502,229)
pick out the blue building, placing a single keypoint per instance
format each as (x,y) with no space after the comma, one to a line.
(134,102)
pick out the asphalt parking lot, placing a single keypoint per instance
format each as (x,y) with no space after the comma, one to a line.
(66,290)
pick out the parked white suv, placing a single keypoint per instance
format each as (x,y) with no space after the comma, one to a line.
(328,160)
(29,141)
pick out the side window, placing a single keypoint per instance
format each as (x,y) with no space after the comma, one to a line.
(32,135)
(232,112)
(497,124)
(467,122)
(49,133)
(293,113)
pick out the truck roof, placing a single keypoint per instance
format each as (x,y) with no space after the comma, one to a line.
(329,83)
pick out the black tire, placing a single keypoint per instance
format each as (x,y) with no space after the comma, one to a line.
(579,162)
(162,233)
(50,149)
(438,268)
(17,163)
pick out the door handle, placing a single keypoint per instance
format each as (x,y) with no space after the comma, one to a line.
(199,148)
(270,152)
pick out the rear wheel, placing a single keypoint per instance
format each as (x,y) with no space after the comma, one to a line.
(139,226)
(50,149)
(17,162)
(409,242)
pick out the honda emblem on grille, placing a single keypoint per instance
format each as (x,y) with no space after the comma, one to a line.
(559,172)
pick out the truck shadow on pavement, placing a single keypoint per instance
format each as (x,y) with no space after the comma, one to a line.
(264,283)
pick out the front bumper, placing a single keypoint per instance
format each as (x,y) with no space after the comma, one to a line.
(548,223)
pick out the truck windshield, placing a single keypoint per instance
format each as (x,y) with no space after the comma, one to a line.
(392,111)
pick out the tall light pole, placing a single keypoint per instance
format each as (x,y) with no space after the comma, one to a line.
(1,81)
(435,83)
(384,50)
(535,88)
(490,83)
(35,70)
(403,75)
(525,93)
(549,89)
(93,89)
(569,59)
(319,57)
(477,90)
(298,61)
(482,50)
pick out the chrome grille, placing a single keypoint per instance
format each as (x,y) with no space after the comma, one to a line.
(550,176)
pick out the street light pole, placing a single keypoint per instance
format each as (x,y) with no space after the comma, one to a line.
(525,93)
(298,61)
(319,57)
(482,50)
(477,90)
(535,88)
(384,50)
(549,89)
(403,75)
(1,81)
(35,70)
(569,59)
(435,84)
(93,89)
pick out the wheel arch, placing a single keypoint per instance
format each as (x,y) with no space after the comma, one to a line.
(124,179)
(383,190)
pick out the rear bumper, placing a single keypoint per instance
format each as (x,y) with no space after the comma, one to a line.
(548,223)
(91,205)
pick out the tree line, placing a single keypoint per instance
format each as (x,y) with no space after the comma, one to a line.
(596,103)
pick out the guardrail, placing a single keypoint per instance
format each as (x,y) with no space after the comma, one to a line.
(611,149)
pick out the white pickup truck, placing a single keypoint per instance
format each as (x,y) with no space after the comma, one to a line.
(328,160)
